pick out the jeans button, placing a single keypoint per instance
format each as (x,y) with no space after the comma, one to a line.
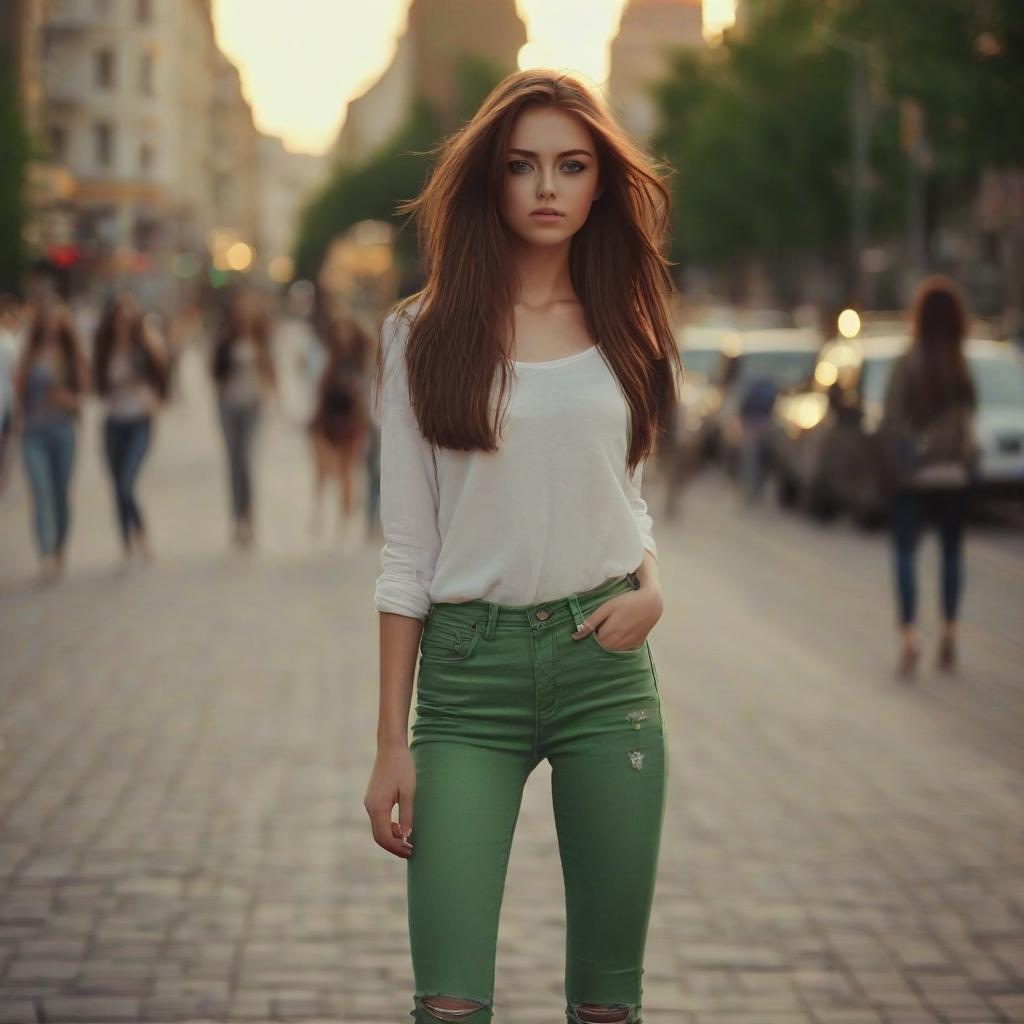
(542,614)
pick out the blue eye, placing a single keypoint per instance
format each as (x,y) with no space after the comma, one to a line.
(574,165)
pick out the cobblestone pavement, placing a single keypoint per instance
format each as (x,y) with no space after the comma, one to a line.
(184,750)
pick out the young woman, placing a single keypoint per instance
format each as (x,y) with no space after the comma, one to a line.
(50,383)
(130,371)
(928,426)
(521,391)
(340,424)
(244,374)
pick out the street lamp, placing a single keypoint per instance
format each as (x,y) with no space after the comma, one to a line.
(860,142)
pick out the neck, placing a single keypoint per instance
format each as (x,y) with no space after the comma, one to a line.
(542,273)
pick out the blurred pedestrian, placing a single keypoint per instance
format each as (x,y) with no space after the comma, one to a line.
(929,457)
(50,383)
(130,374)
(243,370)
(10,345)
(755,413)
(340,424)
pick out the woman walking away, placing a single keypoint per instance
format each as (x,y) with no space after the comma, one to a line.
(927,432)
(244,374)
(130,372)
(50,384)
(521,391)
(340,424)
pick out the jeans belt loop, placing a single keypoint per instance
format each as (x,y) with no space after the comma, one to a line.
(577,611)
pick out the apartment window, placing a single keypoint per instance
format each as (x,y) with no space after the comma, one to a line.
(143,11)
(103,141)
(147,156)
(105,69)
(146,74)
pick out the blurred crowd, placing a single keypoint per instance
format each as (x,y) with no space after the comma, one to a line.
(54,359)
(896,423)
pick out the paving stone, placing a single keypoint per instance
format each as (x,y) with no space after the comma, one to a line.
(184,756)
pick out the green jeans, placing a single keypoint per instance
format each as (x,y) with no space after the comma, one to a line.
(499,688)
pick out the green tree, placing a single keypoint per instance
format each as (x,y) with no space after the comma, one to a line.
(13,173)
(397,171)
(760,128)
(370,189)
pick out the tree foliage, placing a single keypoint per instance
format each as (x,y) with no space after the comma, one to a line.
(375,186)
(13,172)
(760,128)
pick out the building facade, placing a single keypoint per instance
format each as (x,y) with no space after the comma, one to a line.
(149,120)
(648,32)
(438,33)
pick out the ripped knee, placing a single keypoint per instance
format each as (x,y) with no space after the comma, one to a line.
(593,1013)
(454,1008)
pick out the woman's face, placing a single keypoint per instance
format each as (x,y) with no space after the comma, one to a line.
(551,163)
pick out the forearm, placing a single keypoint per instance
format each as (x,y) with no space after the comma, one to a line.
(399,646)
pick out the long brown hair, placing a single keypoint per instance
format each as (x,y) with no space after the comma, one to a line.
(233,327)
(458,337)
(346,341)
(142,346)
(76,371)
(939,373)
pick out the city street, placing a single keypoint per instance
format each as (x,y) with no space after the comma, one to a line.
(184,750)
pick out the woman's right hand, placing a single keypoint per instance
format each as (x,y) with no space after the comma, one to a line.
(66,399)
(392,781)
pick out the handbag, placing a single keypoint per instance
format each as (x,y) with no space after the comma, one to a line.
(943,453)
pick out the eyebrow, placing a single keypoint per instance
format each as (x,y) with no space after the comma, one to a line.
(568,152)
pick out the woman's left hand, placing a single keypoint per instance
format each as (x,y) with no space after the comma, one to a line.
(624,620)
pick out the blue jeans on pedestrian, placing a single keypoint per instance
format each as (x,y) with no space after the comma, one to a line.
(911,511)
(48,452)
(239,424)
(126,442)
(752,457)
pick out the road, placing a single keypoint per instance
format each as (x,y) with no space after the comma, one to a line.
(184,749)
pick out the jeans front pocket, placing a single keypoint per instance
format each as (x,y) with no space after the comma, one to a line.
(612,650)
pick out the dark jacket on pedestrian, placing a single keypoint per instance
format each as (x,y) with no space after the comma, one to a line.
(922,444)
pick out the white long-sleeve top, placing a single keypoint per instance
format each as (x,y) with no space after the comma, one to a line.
(551,512)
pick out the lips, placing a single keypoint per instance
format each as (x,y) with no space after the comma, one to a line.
(547,214)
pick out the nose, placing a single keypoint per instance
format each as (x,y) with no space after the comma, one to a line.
(546,187)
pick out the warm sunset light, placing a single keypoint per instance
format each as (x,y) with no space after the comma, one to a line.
(303,60)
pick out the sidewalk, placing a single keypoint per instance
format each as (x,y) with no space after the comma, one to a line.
(184,751)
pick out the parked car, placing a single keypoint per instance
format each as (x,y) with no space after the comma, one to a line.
(784,356)
(823,445)
(700,349)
